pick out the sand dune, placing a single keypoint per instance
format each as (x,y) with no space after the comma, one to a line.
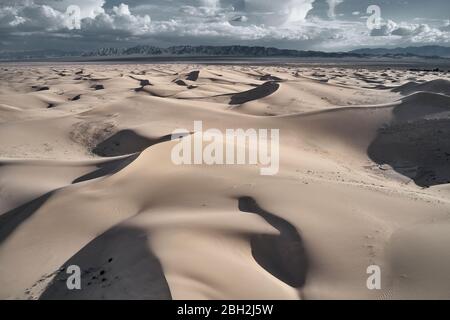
(86,179)
(434,86)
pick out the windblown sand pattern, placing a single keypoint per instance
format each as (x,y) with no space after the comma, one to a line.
(86,178)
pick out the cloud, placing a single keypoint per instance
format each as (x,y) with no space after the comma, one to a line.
(270,12)
(414,33)
(33,17)
(88,8)
(446,26)
(332,4)
(302,24)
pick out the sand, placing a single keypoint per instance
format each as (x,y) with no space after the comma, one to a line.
(86,179)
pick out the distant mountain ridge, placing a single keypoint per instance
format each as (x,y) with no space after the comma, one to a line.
(423,51)
(230,51)
(38,54)
(247,51)
(234,51)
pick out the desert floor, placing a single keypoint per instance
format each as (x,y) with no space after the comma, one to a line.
(86,179)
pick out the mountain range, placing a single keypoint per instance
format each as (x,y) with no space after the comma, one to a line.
(199,51)
(424,51)
(229,51)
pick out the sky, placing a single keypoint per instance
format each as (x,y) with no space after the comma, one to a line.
(327,25)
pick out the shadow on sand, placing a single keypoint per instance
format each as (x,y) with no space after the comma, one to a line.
(416,143)
(117,265)
(283,255)
(126,142)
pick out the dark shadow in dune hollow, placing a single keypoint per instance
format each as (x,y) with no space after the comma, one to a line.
(259,92)
(283,255)
(269,77)
(107,168)
(117,265)
(193,76)
(416,143)
(126,142)
(12,219)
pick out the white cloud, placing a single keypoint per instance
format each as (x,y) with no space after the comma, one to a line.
(31,18)
(270,12)
(93,18)
(88,8)
(210,3)
(414,33)
(332,4)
